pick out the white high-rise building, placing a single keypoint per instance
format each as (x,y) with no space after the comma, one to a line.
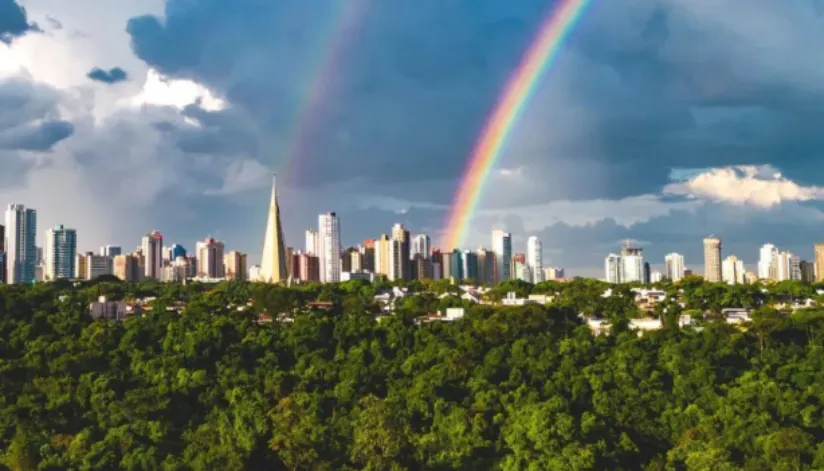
(612,268)
(768,262)
(502,247)
(312,242)
(329,247)
(60,253)
(421,244)
(632,264)
(733,271)
(656,277)
(152,248)
(674,266)
(535,259)
(21,251)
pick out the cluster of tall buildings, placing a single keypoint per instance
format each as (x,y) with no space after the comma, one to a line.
(773,265)
(396,255)
(23,261)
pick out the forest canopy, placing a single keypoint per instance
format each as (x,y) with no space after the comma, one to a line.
(198,382)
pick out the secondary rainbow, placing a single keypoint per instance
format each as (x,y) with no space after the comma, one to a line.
(510,106)
(344,22)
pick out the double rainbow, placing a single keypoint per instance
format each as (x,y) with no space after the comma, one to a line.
(521,86)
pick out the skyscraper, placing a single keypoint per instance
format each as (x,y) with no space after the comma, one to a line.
(273,261)
(733,271)
(486,266)
(61,249)
(21,251)
(535,259)
(2,253)
(768,262)
(612,268)
(674,266)
(421,244)
(399,254)
(519,268)
(632,263)
(382,255)
(819,262)
(712,259)
(502,247)
(152,248)
(235,265)
(329,247)
(112,251)
(312,242)
(209,253)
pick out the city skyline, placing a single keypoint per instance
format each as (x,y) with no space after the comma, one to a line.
(174,144)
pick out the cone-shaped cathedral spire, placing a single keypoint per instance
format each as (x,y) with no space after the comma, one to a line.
(273,263)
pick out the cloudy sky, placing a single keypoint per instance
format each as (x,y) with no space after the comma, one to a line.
(662,121)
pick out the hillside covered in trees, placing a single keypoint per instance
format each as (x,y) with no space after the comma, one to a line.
(198,382)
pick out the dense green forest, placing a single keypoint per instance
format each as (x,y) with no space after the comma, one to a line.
(196,383)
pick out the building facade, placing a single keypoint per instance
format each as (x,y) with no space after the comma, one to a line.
(712,259)
(21,249)
(60,253)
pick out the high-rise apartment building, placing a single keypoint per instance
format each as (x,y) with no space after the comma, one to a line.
(788,266)
(456,265)
(674,266)
(807,271)
(768,262)
(632,264)
(553,273)
(535,259)
(486,266)
(502,247)
(470,265)
(209,253)
(819,262)
(235,265)
(61,248)
(399,254)
(329,247)
(368,252)
(519,269)
(110,250)
(613,269)
(273,260)
(733,271)
(712,259)
(2,253)
(127,267)
(152,250)
(382,260)
(312,242)
(21,250)
(422,245)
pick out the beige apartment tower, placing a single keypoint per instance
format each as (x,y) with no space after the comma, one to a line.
(819,262)
(273,262)
(712,259)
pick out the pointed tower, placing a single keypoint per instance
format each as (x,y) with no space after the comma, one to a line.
(273,263)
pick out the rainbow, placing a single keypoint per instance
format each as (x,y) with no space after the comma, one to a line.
(345,19)
(510,106)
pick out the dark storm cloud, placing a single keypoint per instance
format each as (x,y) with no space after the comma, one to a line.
(111,76)
(13,22)
(411,90)
(27,117)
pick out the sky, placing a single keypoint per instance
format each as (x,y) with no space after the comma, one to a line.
(662,121)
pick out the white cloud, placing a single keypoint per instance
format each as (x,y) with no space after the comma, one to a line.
(762,186)
(162,91)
